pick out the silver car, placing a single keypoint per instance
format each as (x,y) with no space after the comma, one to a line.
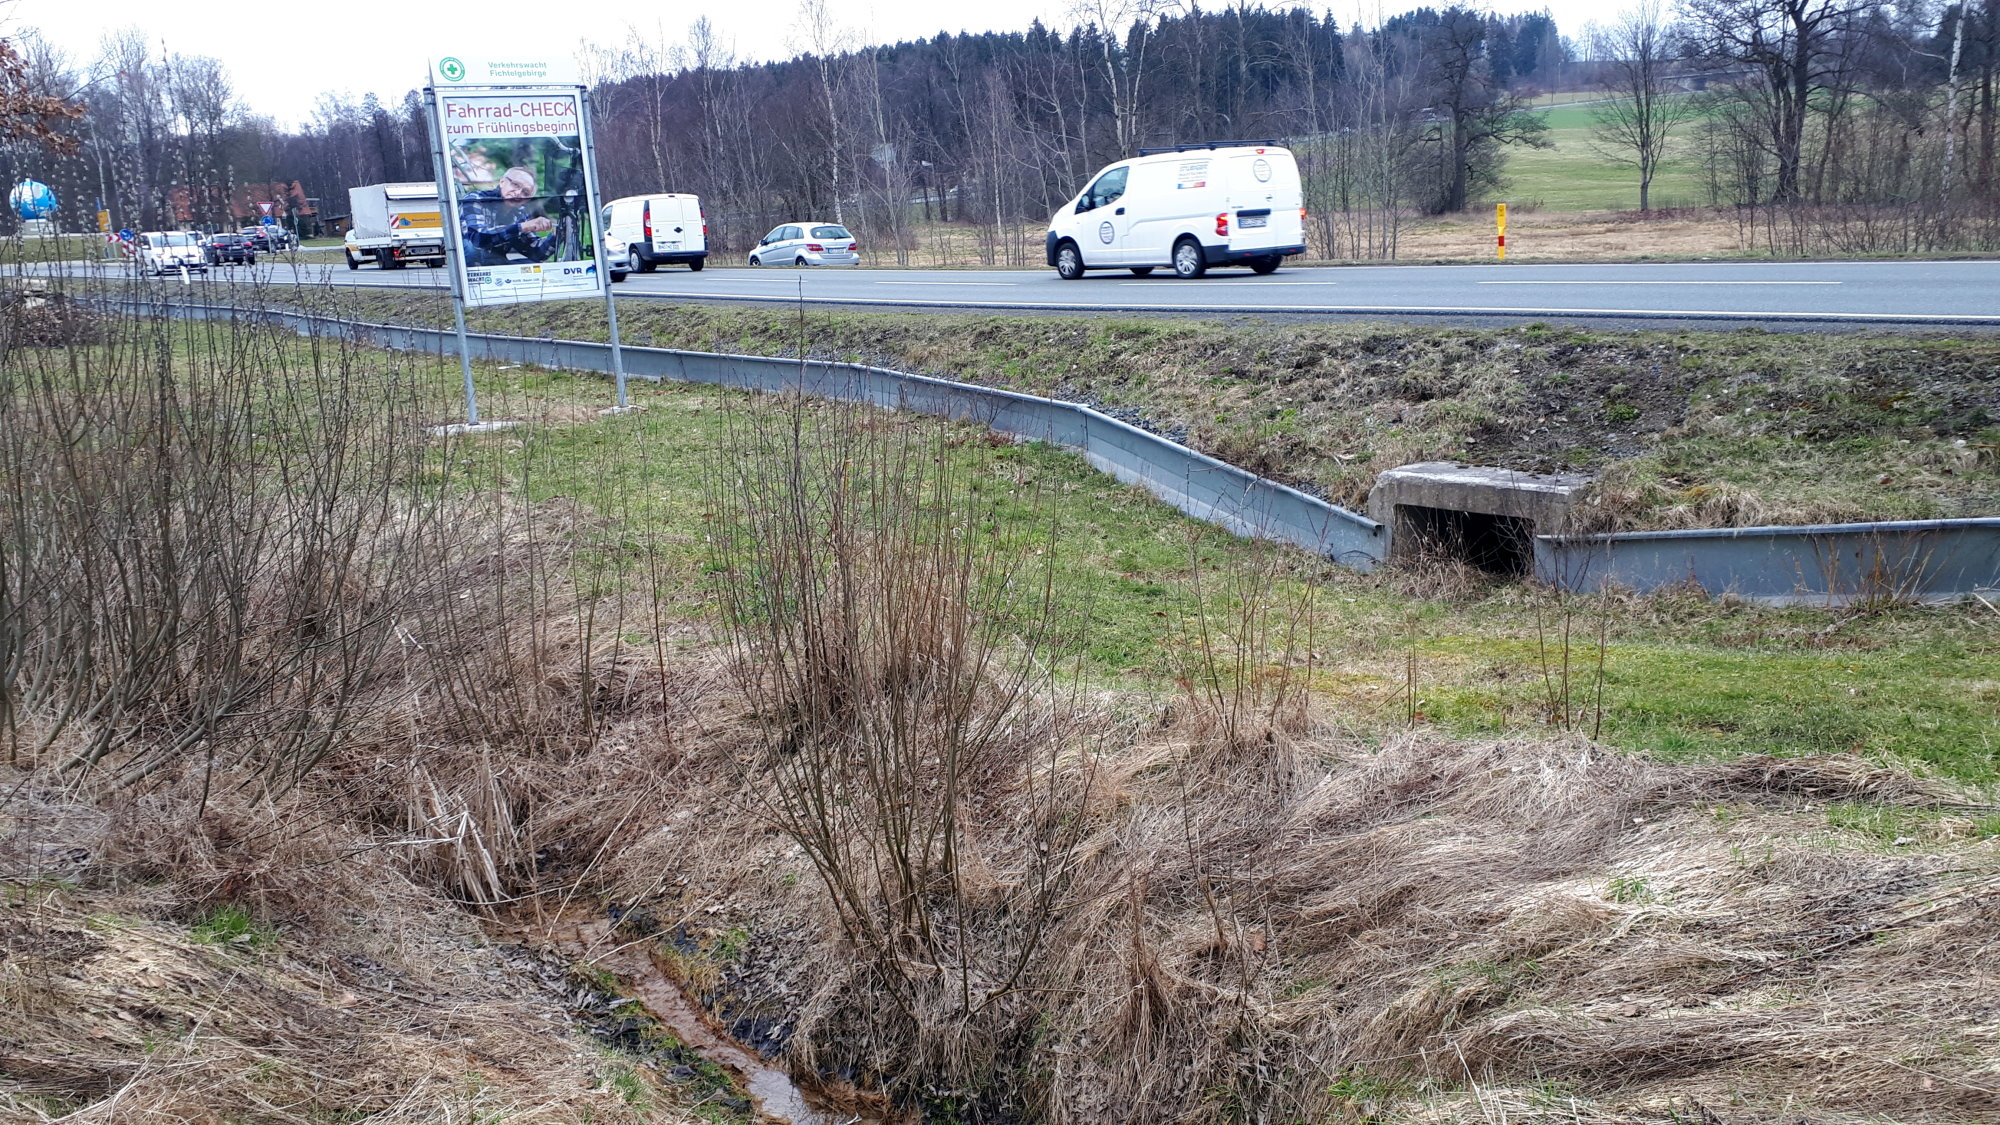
(807,244)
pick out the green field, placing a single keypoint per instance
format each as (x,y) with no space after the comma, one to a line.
(63,247)
(1575,176)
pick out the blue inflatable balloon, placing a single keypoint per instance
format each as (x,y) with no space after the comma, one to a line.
(32,199)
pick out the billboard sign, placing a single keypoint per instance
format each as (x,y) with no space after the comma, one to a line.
(516,193)
(466,70)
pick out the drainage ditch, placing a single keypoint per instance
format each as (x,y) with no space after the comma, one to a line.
(774,1096)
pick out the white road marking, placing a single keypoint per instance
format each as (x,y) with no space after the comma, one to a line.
(1595,283)
(989,284)
(1245,283)
(1454,310)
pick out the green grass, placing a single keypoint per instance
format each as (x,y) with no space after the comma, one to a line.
(232,926)
(1685,427)
(1574,175)
(57,249)
(1684,678)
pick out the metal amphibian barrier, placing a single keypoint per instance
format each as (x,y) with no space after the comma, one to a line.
(1826,564)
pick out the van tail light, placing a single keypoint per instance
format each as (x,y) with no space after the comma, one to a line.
(815,248)
(1302,216)
(1222,225)
(648,221)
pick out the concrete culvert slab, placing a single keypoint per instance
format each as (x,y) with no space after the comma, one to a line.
(1484,517)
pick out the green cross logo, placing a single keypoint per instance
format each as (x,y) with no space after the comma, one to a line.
(452,69)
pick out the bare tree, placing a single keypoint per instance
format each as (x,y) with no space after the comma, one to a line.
(1793,48)
(28,110)
(1124,29)
(1471,116)
(1637,124)
(823,39)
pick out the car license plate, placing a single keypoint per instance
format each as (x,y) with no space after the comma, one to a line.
(1255,221)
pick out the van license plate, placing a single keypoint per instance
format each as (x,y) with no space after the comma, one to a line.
(1249,221)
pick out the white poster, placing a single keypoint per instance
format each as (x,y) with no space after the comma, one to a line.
(517,195)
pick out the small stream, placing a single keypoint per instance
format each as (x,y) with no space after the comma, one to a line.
(772,1092)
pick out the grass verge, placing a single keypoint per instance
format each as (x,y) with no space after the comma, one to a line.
(1685,428)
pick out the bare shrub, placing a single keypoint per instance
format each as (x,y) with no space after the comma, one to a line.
(892,633)
(199,548)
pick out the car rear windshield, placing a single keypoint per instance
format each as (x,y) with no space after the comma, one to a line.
(177,240)
(831,232)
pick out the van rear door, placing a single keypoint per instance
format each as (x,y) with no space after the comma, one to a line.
(669,218)
(1265,197)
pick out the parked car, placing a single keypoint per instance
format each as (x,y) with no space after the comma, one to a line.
(644,232)
(1187,208)
(807,244)
(231,248)
(170,251)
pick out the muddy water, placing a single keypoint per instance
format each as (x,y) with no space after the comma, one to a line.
(776,1097)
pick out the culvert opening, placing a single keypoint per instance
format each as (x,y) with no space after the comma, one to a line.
(1499,545)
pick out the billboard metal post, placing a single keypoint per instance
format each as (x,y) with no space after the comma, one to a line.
(452,249)
(604,267)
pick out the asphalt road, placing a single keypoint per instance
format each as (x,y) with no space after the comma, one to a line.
(1775,294)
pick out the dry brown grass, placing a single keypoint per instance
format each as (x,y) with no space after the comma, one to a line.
(1532,235)
(262,960)
(1430,930)
(1229,910)
(1440,931)
(1576,236)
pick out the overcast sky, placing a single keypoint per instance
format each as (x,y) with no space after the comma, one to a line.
(281,62)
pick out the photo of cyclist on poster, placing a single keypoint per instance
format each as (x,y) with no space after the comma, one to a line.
(520,196)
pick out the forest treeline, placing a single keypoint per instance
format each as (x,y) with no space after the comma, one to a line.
(1826,125)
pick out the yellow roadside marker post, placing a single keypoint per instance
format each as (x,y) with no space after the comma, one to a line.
(1500,222)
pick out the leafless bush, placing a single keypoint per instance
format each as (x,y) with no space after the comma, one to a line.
(202,546)
(892,630)
(1244,659)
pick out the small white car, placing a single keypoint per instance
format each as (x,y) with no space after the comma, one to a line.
(1186,209)
(170,252)
(807,244)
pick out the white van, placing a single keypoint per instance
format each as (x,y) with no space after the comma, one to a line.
(642,231)
(1188,208)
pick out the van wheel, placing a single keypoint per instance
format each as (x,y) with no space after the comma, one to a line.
(1142,271)
(351,263)
(1069,262)
(1266,265)
(695,264)
(1188,260)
